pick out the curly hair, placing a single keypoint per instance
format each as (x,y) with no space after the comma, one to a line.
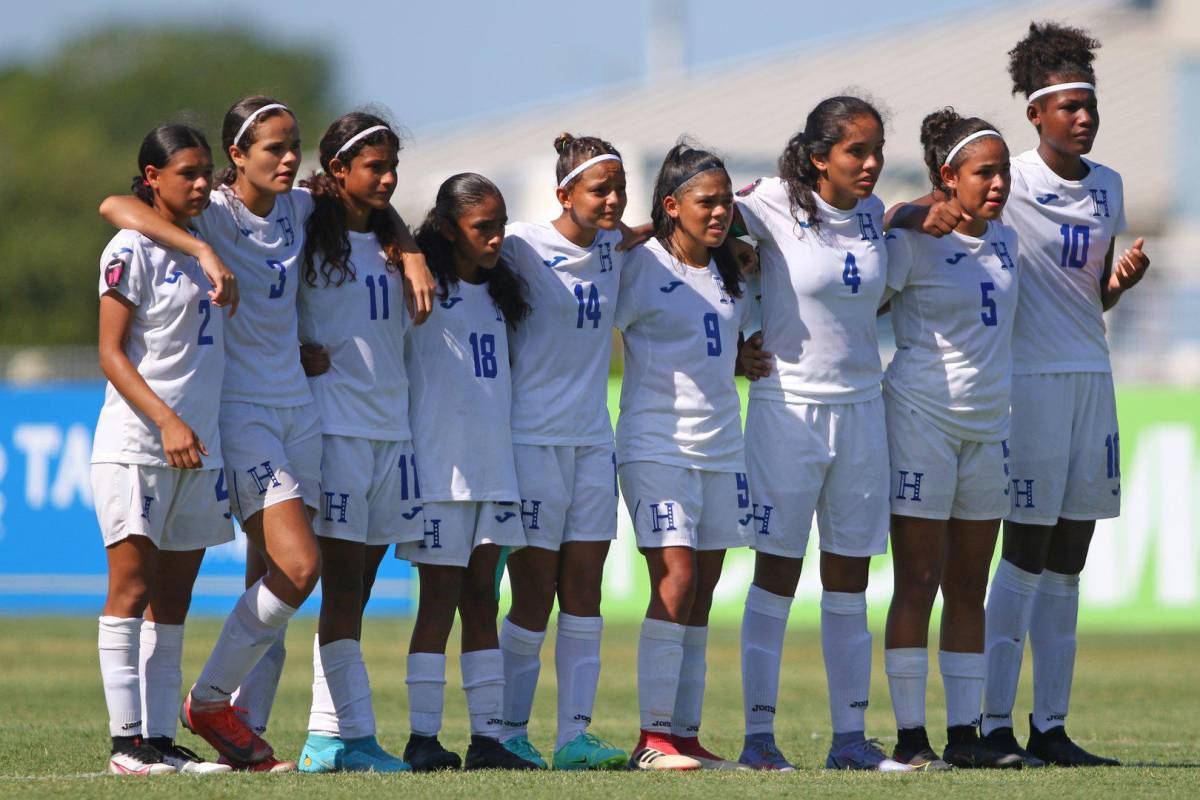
(1049,50)
(940,131)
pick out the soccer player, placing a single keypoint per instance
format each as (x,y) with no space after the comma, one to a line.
(156,460)
(946,393)
(351,307)
(460,402)
(815,438)
(1065,444)
(679,443)
(563,443)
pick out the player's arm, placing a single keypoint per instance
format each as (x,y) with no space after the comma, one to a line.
(181,445)
(419,283)
(314,360)
(932,214)
(1129,269)
(126,211)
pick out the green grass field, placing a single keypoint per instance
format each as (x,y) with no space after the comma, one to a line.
(1134,698)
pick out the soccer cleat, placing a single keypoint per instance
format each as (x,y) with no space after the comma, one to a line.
(365,755)
(1055,747)
(587,751)
(183,759)
(913,748)
(269,764)
(965,749)
(760,752)
(485,752)
(426,754)
(865,754)
(522,747)
(657,752)
(690,746)
(321,754)
(1002,740)
(131,757)
(223,727)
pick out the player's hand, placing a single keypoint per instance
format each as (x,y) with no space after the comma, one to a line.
(943,217)
(755,362)
(314,358)
(181,445)
(224,282)
(744,254)
(1129,269)
(632,237)
(420,287)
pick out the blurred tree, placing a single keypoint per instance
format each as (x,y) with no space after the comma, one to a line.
(70,128)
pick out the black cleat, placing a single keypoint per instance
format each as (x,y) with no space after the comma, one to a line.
(1055,747)
(426,754)
(488,753)
(965,749)
(913,748)
(1002,740)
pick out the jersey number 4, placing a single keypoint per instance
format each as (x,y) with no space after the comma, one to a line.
(850,275)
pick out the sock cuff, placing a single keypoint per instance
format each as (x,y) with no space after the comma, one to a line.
(695,635)
(340,652)
(962,665)
(120,623)
(1012,577)
(1058,584)
(426,668)
(761,601)
(574,627)
(266,606)
(520,640)
(162,633)
(481,667)
(906,662)
(844,603)
(660,629)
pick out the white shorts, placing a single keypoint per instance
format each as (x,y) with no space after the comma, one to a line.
(679,507)
(369,491)
(176,509)
(939,476)
(454,529)
(1066,451)
(827,458)
(271,455)
(568,493)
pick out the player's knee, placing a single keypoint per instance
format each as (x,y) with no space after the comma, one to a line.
(129,599)
(917,586)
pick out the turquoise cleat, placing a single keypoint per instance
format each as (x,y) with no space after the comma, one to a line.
(521,746)
(587,751)
(321,754)
(365,755)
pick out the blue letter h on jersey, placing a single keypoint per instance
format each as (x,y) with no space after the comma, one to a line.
(261,480)
(914,484)
(656,519)
(1018,493)
(433,534)
(866,226)
(329,506)
(531,515)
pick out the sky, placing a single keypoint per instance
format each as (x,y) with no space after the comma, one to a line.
(433,63)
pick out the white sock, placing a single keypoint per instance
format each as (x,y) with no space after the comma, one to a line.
(522,664)
(258,689)
(346,677)
(689,697)
(322,714)
(426,681)
(162,677)
(1009,604)
(764,624)
(908,672)
(118,646)
(577,663)
(249,631)
(660,654)
(483,682)
(846,644)
(962,676)
(1052,641)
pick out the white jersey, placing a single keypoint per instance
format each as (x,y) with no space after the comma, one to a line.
(561,352)
(820,294)
(679,403)
(460,399)
(1066,228)
(362,323)
(176,342)
(953,319)
(266,255)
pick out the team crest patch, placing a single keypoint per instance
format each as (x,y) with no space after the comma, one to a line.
(748,188)
(115,268)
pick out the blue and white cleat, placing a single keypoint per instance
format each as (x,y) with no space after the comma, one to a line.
(522,747)
(365,755)
(865,754)
(761,752)
(321,754)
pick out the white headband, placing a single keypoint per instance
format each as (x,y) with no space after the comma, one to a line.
(966,140)
(360,135)
(575,172)
(1061,87)
(254,114)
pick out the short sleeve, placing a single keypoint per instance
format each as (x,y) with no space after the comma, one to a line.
(751,322)
(628,305)
(122,269)
(900,259)
(1120,225)
(749,203)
